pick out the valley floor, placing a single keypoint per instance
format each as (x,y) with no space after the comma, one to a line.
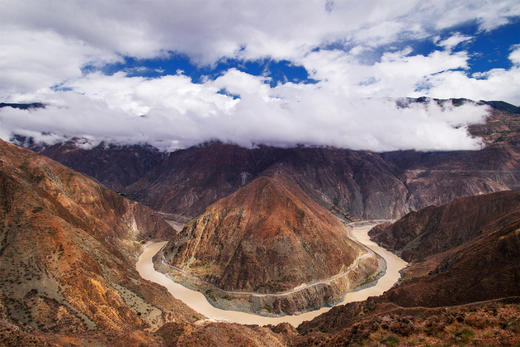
(198,302)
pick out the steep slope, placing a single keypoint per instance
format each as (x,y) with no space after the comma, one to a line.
(353,183)
(188,181)
(269,237)
(464,251)
(468,293)
(437,229)
(67,252)
(114,166)
(484,268)
(470,246)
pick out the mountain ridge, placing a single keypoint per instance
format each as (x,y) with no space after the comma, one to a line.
(268,237)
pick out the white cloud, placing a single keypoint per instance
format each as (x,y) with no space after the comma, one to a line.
(46,43)
(179,113)
(453,41)
(209,30)
(31,60)
(397,74)
(496,84)
(515,55)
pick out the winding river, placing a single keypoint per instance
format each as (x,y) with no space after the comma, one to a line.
(197,301)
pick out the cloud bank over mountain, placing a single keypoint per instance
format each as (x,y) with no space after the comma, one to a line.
(359,57)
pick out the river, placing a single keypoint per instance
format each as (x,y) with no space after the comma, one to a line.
(197,301)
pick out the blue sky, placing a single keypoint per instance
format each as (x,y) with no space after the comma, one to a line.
(176,73)
(487,50)
(280,71)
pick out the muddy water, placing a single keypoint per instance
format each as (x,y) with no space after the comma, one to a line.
(198,302)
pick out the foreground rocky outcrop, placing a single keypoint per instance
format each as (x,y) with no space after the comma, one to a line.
(67,254)
(491,323)
(268,238)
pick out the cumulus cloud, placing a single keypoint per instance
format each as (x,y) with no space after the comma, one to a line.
(33,60)
(46,44)
(207,31)
(452,41)
(515,55)
(495,84)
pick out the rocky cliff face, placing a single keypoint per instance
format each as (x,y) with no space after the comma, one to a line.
(67,253)
(485,268)
(269,237)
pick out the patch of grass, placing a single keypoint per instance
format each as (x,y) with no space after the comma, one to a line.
(514,326)
(209,294)
(390,340)
(464,335)
(369,279)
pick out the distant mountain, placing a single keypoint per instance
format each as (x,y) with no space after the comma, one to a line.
(68,248)
(355,184)
(269,237)
(115,166)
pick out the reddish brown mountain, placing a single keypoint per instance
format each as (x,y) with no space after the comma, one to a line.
(67,254)
(485,268)
(268,237)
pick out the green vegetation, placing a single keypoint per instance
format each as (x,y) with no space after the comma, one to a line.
(464,335)
(371,278)
(209,294)
(390,340)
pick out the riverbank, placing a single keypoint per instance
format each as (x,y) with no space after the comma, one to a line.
(199,303)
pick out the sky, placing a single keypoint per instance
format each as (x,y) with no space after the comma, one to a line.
(176,73)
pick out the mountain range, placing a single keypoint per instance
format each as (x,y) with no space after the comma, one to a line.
(355,184)
(263,220)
